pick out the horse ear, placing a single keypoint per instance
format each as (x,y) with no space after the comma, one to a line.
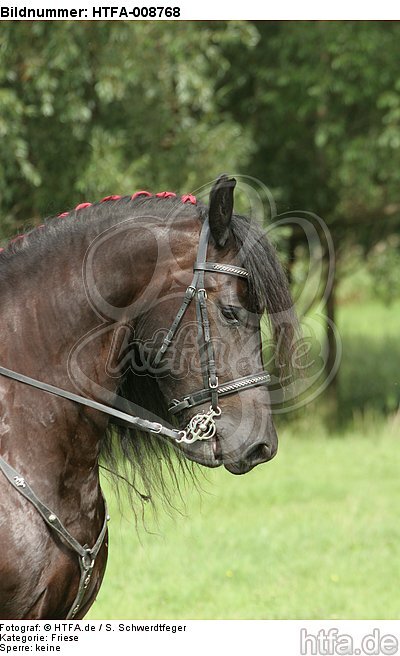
(221,208)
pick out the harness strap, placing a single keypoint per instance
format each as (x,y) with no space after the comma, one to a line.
(206,348)
(86,555)
(130,420)
(215,267)
(230,387)
(210,367)
(196,289)
(189,294)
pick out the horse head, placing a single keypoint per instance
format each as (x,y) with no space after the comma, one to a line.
(208,365)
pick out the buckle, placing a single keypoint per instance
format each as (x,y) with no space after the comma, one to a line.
(88,560)
(190,292)
(157,428)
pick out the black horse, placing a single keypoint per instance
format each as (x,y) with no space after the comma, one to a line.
(146,309)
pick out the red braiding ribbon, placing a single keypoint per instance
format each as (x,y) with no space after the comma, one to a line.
(140,193)
(81,206)
(166,194)
(103,200)
(60,216)
(188,198)
(1,250)
(17,238)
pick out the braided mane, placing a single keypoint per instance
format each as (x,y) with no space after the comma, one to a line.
(16,241)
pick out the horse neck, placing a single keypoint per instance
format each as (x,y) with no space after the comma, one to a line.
(52,299)
(50,323)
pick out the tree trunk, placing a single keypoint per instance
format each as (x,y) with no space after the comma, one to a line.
(332,392)
(291,257)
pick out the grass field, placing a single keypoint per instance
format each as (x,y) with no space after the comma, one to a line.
(313,534)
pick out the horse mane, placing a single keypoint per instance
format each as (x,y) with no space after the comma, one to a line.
(149,465)
(268,289)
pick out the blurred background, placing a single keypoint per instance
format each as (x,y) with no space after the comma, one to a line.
(312,111)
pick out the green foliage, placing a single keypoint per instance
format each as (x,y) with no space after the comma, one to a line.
(323,102)
(88,109)
(384,266)
(46,75)
(311,109)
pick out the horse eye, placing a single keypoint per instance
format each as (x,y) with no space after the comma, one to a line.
(231,314)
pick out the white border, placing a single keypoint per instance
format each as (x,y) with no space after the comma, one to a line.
(224,9)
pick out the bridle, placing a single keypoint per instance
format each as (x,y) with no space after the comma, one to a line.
(202,426)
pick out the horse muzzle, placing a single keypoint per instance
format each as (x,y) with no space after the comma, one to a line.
(216,452)
(256,454)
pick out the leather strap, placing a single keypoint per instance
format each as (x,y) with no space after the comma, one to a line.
(206,348)
(86,555)
(230,387)
(136,422)
(189,294)
(215,267)
(196,290)
(210,379)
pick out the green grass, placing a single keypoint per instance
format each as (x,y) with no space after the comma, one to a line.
(370,319)
(313,534)
(369,375)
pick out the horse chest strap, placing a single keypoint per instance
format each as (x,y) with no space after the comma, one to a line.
(86,555)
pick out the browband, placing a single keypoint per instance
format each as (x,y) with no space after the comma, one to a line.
(215,267)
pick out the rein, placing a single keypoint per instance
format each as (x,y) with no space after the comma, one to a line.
(135,422)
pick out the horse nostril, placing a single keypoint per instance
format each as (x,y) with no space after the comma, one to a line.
(260,452)
(256,454)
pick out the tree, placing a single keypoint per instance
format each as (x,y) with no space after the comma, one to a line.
(89,109)
(323,103)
